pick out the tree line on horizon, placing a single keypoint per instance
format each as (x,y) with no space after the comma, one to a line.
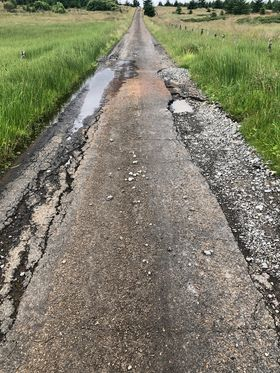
(61,5)
(228,6)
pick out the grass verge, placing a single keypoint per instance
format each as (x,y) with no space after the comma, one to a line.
(237,71)
(61,50)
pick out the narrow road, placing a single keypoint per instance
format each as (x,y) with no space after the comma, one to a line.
(141,271)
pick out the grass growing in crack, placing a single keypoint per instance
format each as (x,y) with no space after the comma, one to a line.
(237,70)
(60,51)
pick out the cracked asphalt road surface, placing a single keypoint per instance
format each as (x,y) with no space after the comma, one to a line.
(140,271)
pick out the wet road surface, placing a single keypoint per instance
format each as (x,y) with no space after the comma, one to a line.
(140,271)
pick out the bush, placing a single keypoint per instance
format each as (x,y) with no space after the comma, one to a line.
(10,6)
(179,10)
(262,10)
(41,5)
(102,5)
(29,8)
(58,8)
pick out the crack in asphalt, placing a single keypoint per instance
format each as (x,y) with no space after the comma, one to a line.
(46,185)
(22,230)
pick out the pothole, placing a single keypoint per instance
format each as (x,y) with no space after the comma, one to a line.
(181,106)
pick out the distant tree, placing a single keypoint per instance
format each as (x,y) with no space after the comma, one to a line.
(256,6)
(135,3)
(276,6)
(262,10)
(201,4)
(179,9)
(192,5)
(268,5)
(218,4)
(149,9)
(175,3)
(167,3)
(160,4)
(237,7)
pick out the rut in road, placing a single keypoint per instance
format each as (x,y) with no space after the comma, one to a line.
(142,273)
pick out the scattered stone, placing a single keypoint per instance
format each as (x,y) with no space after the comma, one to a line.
(130,178)
(22,274)
(207,252)
(109,198)
(136,202)
(129,367)
(249,259)
(135,162)
(111,140)
(63,261)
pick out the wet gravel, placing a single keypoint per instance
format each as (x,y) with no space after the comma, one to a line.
(246,189)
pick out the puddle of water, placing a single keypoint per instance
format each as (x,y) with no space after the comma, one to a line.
(95,87)
(181,106)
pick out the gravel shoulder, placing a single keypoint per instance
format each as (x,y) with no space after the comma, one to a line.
(246,189)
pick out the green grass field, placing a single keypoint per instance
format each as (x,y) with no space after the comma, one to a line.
(61,50)
(236,70)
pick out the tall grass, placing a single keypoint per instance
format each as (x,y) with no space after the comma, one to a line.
(239,72)
(59,53)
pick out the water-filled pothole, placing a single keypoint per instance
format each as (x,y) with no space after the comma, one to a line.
(95,87)
(181,106)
